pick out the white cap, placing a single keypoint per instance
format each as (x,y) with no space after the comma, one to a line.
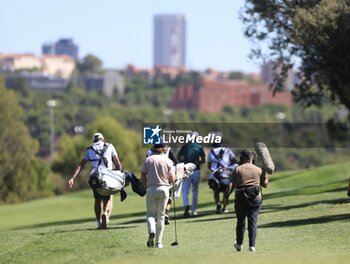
(195,134)
(98,136)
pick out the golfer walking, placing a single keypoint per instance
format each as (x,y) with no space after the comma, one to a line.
(104,154)
(157,175)
(247,179)
(170,154)
(191,153)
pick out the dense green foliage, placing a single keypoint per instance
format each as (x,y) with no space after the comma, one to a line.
(120,118)
(140,92)
(22,176)
(314,35)
(71,150)
(89,64)
(304,219)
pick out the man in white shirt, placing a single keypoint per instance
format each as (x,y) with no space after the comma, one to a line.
(221,161)
(100,154)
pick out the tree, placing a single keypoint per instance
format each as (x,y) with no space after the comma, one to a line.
(314,34)
(22,175)
(90,64)
(72,148)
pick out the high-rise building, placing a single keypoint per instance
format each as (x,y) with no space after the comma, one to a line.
(66,47)
(48,49)
(61,47)
(170,40)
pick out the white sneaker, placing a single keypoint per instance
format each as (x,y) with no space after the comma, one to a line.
(159,245)
(252,249)
(238,247)
(194,213)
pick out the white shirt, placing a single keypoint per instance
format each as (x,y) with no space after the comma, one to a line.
(224,162)
(92,156)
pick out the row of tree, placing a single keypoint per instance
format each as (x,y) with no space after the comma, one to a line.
(311,35)
(24,135)
(23,176)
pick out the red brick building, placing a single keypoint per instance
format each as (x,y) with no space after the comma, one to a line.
(211,96)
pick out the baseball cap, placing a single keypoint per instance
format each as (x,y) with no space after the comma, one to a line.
(157,146)
(194,134)
(98,136)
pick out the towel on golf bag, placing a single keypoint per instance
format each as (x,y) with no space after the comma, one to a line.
(136,184)
(107,181)
(182,172)
(264,154)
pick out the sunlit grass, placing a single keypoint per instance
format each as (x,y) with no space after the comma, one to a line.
(305,219)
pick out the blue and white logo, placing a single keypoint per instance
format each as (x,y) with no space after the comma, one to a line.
(151,135)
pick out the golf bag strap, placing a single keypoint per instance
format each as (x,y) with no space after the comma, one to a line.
(245,189)
(219,157)
(100,153)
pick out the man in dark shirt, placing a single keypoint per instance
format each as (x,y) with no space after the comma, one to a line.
(191,153)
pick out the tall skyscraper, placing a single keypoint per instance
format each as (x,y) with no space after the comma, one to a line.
(170,40)
(48,49)
(61,47)
(66,47)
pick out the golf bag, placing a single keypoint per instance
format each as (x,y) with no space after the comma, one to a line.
(264,154)
(136,184)
(108,182)
(219,177)
(182,172)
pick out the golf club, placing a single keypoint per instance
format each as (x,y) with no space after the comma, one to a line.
(174,243)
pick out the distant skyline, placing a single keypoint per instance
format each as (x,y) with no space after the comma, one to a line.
(169,40)
(121,32)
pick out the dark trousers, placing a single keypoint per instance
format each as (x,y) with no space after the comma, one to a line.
(247,205)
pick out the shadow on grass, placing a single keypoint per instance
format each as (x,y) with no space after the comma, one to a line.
(273,208)
(86,230)
(309,190)
(77,221)
(308,221)
(223,217)
(180,217)
(141,218)
(276,179)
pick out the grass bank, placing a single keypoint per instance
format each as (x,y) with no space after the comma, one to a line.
(305,219)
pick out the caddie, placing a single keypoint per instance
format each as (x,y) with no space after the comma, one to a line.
(100,154)
(247,179)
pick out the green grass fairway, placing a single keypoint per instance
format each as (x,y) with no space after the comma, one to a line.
(305,219)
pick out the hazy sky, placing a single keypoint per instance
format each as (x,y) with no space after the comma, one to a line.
(121,32)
